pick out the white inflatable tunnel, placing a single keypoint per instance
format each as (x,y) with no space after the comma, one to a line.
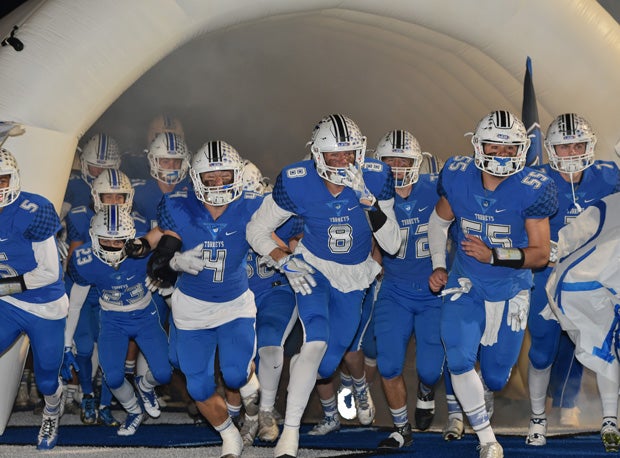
(260,74)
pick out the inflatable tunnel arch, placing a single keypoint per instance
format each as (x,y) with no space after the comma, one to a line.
(432,66)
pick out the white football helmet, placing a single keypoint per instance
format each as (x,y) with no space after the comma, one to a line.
(400,143)
(336,133)
(112,181)
(213,156)
(252,179)
(163,124)
(100,151)
(168,146)
(570,128)
(500,127)
(8,166)
(111,223)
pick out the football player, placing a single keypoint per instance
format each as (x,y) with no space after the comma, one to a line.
(502,214)
(344,202)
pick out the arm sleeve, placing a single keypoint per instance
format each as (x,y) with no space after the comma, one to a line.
(77,297)
(264,221)
(48,265)
(388,235)
(438,239)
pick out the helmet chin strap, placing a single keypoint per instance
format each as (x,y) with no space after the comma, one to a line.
(572,188)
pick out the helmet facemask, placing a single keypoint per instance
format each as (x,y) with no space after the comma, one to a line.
(567,129)
(217,156)
(111,224)
(336,133)
(400,143)
(102,152)
(168,147)
(112,181)
(500,128)
(8,166)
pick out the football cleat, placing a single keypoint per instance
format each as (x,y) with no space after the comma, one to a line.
(88,413)
(537,433)
(365,405)
(131,424)
(267,426)
(454,429)
(48,434)
(610,436)
(346,403)
(424,409)
(149,399)
(105,418)
(249,429)
(325,426)
(491,450)
(399,438)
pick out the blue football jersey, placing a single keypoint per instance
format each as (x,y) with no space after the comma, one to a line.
(119,287)
(597,181)
(78,191)
(148,195)
(412,262)
(497,217)
(260,276)
(31,218)
(225,247)
(335,227)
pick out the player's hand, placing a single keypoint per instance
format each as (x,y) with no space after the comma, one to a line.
(518,309)
(299,274)
(354,179)
(190,261)
(473,246)
(438,279)
(137,248)
(68,361)
(63,249)
(154,286)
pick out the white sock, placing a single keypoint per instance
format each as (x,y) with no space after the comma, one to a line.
(538,382)
(269,371)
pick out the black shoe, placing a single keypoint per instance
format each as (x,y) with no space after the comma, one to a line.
(399,438)
(425,410)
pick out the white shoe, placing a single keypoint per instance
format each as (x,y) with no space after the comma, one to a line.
(610,436)
(288,443)
(491,450)
(365,405)
(454,429)
(325,426)
(131,424)
(48,434)
(537,433)
(149,399)
(569,416)
(267,426)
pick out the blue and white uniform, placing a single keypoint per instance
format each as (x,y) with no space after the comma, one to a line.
(127,312)
(405,305)
(214,309)
(498,218)
(28,247)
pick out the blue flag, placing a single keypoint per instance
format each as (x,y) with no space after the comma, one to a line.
(529,116)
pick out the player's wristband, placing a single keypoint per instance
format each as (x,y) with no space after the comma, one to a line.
(12,285)
(376,217)
(508,257)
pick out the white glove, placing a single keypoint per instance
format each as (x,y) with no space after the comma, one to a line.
(154,287)
(518,308)
(190,261)
(299,274)
(553,256)
(463,288)
(354,179)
